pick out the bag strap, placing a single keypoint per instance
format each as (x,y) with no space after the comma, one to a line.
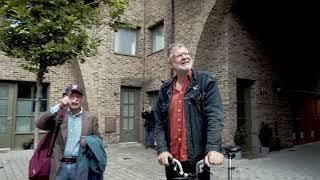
(61,116)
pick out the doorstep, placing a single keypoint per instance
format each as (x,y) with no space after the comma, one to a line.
(4,150)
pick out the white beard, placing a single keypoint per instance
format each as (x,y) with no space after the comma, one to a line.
(180,67)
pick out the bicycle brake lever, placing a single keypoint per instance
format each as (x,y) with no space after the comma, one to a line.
(177,167)
(172,163)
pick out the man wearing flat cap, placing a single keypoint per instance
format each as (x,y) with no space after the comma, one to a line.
(76,126)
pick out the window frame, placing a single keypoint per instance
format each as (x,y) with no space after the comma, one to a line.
(152,30)
(136,30)
(33,99)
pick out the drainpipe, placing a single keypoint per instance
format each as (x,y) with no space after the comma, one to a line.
(143,84)
(172,21)
(172,28)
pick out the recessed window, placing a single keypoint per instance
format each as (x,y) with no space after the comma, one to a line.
(125,41)
(157,38)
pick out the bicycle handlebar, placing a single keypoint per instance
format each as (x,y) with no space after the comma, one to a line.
(179,169)
(175,161)
(200,164)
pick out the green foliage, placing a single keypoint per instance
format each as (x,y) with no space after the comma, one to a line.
(265,135)
(240,137)
(51,32)
(117,8)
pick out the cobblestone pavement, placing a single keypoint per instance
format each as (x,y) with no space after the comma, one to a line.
(134,162)
(300,162)
(125,161)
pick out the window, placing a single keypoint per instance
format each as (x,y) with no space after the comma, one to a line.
(157,38)
(125,42)
(26,105)
(4,93)
(128,110)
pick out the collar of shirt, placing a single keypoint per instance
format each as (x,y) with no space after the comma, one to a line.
(189,76)
(74,115)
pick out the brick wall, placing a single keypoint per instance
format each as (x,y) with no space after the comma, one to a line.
(219,43)
(250,60)
(105,73)
(228,49)
(212,55)
(156,66)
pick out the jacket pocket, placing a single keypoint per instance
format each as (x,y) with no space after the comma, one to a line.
(196,100)
(164,112)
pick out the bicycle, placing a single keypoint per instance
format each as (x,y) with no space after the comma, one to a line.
(229,151)
(177,167)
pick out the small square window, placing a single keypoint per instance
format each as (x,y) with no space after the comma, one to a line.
(125,41)
(157,38)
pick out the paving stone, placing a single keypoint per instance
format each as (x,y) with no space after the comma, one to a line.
(134,162)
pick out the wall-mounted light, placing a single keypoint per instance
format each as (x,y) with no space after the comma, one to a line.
(277,87)
(278,90)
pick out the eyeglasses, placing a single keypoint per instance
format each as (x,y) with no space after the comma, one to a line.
(73,95)
(181,54)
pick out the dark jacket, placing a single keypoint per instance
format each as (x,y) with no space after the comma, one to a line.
(92,159)
(204,116)
(148,119)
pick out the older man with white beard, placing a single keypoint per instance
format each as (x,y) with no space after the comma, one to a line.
(189,116)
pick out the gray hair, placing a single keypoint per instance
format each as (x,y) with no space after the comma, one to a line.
(172,48)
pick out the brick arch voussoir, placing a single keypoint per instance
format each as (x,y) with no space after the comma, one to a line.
(216,9)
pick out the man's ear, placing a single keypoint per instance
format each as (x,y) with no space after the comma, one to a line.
(171,65)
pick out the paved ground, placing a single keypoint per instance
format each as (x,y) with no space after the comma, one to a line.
(301,162)
(132,161)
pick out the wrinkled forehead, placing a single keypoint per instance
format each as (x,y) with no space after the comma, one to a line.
(179,50)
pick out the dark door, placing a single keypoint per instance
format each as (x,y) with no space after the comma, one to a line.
(243,133)
(6,94)
(308,121)
(129,121)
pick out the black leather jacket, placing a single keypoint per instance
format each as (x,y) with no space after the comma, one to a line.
(204,116)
